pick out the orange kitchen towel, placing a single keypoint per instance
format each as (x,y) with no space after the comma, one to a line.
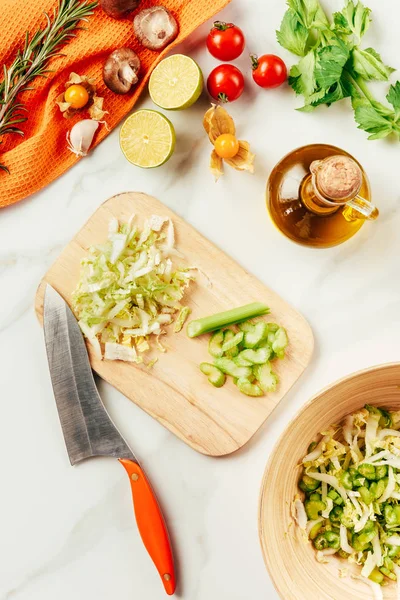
(42,155)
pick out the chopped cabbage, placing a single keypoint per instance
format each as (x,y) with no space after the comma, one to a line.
(390,488)
(115,351)
(331,480)
(344,543)
(299,513)
(130,287)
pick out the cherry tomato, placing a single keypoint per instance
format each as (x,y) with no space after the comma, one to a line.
(226,145)
(225,83)
(76,95)
(269,71)
(225,41)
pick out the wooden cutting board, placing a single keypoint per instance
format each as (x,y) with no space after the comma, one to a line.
(212,421)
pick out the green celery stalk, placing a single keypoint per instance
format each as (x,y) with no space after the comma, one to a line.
(229,317)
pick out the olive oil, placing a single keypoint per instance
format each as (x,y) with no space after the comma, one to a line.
(303,211)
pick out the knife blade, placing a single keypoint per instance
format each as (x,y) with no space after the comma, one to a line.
(88,429)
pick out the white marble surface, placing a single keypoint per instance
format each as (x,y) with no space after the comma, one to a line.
(69,532)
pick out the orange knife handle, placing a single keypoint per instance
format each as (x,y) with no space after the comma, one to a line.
(151,524)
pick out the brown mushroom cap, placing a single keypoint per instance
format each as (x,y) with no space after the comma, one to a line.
(120,70)
(338,178)
(155,27)
(118,9)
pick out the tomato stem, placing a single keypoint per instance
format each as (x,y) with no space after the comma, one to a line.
(222,26)
(254,61)
(223,97)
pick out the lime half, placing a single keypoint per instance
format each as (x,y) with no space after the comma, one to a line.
(176,82)
(147,138)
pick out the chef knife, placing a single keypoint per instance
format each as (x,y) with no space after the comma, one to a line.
(88,430)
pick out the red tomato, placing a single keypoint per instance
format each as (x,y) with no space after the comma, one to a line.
(225,41)
(269,71)
(225,83)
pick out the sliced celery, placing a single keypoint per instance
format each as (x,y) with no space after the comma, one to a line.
(231,341)
(265,344)
(215,376)
(242,362)
(228,366)
(267,379)
(272,329)
(248,388)
(252,338)
(215,344)
(256,357)
(245,355)
(246,326)
(229,334)
(251,378)
(280,342)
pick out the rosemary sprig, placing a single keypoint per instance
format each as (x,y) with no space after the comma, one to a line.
(32,60)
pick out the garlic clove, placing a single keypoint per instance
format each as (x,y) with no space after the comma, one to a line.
(81,136)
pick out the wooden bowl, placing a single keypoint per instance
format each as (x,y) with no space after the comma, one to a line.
(291,560)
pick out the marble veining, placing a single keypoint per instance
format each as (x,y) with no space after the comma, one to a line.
(69,532)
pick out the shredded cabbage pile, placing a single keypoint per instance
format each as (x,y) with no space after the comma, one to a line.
(351,502)
(130,288)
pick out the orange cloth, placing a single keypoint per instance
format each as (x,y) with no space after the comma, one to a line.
(42,155)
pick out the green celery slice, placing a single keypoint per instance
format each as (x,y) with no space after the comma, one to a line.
(242,362)
(267,379)
(265,344)
(228,366)
(231,341)
(256,357)
(252,338)
(229,334)
(215,344)
(280,342)
(251,379)
(215,376)
(246,326)
(248,388)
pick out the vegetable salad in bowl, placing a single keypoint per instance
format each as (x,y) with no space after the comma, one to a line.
(350,506)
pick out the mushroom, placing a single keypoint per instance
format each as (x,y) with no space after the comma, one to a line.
(120,70)
(155,27)
(118,9)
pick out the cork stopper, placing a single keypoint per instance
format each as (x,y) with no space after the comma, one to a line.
(337,178)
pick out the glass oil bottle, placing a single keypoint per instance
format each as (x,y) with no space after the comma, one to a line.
(319,195)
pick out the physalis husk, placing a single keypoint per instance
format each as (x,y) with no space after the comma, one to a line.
(217,122)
